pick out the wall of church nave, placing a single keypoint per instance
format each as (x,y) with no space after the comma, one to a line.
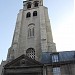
(67,69)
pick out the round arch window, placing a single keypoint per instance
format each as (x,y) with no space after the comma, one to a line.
(28,5)
(35,4)
(31,30)
(28,15)
(30,53)
(35,13)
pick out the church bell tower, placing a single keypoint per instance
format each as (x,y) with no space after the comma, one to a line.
(32,35)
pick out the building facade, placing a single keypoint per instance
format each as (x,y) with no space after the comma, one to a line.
(59,63)
(32,34)
(52,63)
(33,51)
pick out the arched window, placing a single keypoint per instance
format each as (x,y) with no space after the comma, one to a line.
(28,5)
(28,15)
(35,13)
(31,30)
(30,53)
(35,4)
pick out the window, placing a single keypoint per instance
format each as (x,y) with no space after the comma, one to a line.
(35,4)
(56,71)
(28,15)
(29,5)
(55,58)
(30,53)
(35,13)
(31,30)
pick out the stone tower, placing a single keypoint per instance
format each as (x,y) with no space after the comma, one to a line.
(32,35)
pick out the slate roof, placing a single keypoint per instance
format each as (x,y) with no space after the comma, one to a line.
(63,56)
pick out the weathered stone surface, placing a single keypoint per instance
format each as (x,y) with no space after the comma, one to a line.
(42,40)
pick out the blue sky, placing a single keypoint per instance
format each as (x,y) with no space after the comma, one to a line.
(61,14)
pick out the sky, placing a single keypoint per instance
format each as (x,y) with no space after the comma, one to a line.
(61,14)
